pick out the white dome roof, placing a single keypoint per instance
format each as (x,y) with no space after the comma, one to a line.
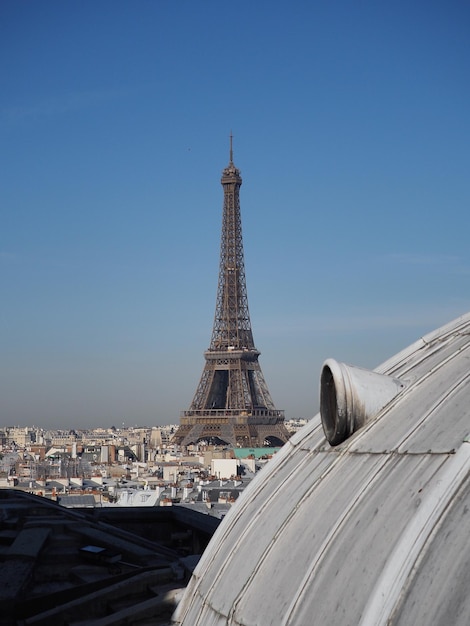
(372,531)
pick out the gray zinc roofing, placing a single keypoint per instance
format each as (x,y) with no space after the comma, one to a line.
(372,531)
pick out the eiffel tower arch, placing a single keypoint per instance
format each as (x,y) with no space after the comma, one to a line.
(232,403)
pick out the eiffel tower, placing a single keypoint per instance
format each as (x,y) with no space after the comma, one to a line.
(232,404)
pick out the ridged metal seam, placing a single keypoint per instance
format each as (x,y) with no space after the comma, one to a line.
(389,587)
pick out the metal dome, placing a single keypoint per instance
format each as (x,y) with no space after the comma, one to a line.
(373,530)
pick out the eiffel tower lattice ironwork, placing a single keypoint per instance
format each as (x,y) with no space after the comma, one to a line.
(232,403)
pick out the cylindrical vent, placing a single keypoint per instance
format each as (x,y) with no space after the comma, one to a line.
(351,396)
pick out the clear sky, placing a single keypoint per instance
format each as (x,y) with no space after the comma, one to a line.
(351,124)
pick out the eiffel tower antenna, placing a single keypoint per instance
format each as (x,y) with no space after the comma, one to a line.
(232,404)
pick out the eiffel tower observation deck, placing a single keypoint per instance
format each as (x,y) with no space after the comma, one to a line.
(232,404)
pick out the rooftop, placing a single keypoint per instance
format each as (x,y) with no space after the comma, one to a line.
(114,564)
(372,530)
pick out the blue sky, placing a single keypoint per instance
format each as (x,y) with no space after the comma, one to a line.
(351,129)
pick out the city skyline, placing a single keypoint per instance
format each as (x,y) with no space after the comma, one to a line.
(351,132)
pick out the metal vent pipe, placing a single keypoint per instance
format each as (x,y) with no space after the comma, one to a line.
(352,396)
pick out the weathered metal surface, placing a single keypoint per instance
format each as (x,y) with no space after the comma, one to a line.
(372,531)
